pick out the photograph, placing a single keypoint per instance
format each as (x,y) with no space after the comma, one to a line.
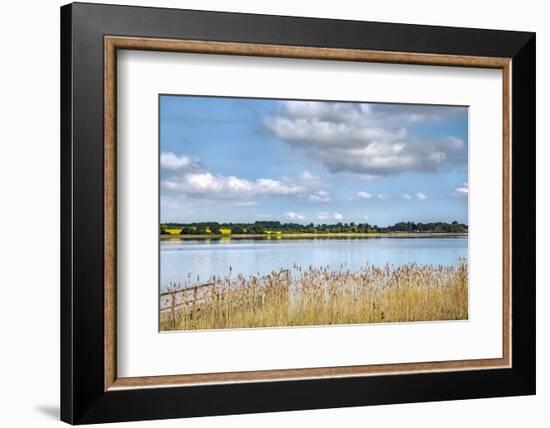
(287,213)
(262,211)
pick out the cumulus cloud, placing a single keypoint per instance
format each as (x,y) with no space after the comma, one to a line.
(405,197)
(421,196)
(308,176)
(329,216)
(291,215)
(366,139)
(462,190)
(172,162)
(319,196)
(188,176)
(364,195)
(384,197)
(207,184)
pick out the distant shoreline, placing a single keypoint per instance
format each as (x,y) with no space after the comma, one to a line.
(318,235)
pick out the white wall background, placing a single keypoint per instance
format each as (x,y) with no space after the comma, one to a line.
(29,218)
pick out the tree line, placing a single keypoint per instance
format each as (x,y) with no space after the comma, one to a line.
(266,227)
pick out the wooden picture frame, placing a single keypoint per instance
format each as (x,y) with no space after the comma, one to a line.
(91,390)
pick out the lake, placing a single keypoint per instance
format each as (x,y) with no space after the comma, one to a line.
(185,260)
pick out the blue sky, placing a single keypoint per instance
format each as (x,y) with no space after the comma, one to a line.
(243,160)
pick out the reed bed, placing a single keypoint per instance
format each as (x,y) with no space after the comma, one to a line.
(321,296)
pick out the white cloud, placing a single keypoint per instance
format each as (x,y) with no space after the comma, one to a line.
(172,162)
(385,197)
(369,140)
(368,177)
(245,204)
(275,187)
(208,185)
(293,216)
(319,196)
(462,190)
(329,216)
(190,179)
(308,176)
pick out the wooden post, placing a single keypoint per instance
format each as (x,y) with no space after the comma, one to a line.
(194,302)
(174,309)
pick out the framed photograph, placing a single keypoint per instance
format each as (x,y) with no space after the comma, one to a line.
(265,213)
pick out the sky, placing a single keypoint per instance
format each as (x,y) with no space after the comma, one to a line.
(247,160)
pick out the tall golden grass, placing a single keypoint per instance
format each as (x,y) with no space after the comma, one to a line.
(320,296)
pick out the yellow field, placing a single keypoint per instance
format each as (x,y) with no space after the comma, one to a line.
(173,231)
(314,296)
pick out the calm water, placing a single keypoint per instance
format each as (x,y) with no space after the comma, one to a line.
(181,258)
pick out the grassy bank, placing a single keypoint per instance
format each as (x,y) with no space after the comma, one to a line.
(316,235)
(319,296)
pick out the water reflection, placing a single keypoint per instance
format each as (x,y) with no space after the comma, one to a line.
(203,258)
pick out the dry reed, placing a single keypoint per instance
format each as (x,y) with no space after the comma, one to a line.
(320,296)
